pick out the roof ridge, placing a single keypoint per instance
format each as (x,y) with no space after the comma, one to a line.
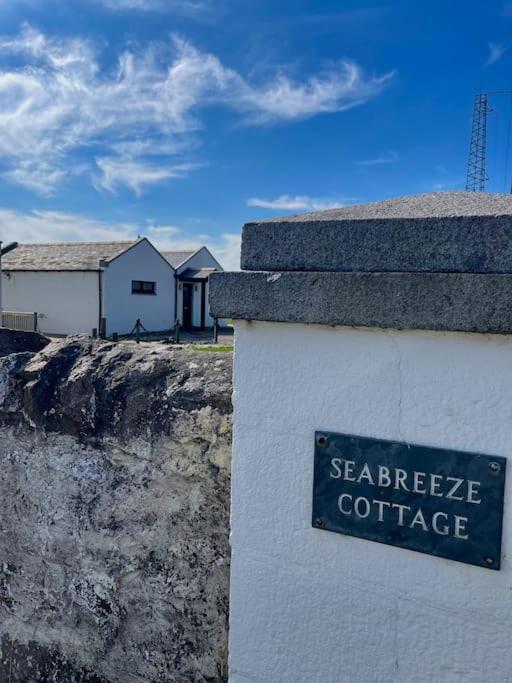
(48,256)
(178,251)
(69,244)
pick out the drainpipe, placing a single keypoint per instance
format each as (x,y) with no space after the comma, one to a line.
(102,331)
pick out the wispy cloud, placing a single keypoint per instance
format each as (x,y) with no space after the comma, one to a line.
(163,231)
(38,176)
(119,172)
(335,90)
(496,52)
(189,7)
(297,203)
(142,116)
(55,226)
(453,184)
(389,157)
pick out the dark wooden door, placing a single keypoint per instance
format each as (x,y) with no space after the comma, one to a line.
(188,292)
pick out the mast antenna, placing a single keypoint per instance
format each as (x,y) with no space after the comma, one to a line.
(476,174)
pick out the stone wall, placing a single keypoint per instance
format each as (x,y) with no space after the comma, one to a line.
(114,483)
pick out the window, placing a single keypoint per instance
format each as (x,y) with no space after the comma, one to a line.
(143,287)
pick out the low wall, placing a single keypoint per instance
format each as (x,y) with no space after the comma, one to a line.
(114,481)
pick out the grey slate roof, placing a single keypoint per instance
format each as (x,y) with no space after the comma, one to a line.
(427,205)
(176,258)
(63,256)
(196,273)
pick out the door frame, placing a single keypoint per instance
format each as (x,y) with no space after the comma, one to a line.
(189,286)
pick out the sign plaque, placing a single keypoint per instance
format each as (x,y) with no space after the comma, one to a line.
(432,500)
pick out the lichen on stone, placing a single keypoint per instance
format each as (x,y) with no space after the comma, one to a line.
(114,480)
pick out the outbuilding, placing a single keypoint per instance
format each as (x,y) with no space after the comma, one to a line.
(80,286)
(192,270)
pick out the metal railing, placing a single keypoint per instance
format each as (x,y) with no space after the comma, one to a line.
(17,320)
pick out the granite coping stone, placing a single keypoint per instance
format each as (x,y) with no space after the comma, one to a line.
(462,302)
(433,232)
(463,245)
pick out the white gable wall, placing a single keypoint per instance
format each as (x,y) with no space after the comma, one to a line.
(201,259)
(67,302)
(121,307)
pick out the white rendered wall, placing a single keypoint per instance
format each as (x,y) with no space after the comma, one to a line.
(310,606)
(122,308)
(208,320)
(196,304)
(68,302)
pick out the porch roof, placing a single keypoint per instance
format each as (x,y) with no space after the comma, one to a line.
(196,274)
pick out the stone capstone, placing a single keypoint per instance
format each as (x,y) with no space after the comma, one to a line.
(454,232)
(438,261)
(114,481)
(433,301)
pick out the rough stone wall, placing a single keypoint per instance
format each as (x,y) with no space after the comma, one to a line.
(114,489)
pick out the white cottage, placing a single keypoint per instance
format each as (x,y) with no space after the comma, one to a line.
(192,269)
(76,287)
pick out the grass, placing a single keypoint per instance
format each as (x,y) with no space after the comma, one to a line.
(213,349)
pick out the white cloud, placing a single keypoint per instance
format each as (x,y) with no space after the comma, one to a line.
(163,231)
(453,184)
(389,157)
(297,203)
(37,176)
(227,250)
(144,112)
(117,172)
(56,226)
(182,6)
(341,88)
(496,52)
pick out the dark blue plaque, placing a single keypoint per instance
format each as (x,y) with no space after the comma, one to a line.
(432,500)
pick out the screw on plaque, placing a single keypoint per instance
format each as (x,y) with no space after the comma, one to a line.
(494,467)
(489,560)
(321,440)
(319,522)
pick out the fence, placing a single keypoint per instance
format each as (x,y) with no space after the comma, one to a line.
(139,330)
(16,320)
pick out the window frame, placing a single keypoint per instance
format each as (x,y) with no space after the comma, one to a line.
(138,287)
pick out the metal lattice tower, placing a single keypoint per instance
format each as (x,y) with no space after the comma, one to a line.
(476,176)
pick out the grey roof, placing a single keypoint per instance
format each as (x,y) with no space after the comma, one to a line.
(176,258)
(196,273)
(63,256)
(427,205)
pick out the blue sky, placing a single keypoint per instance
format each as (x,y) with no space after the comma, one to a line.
(182,119)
